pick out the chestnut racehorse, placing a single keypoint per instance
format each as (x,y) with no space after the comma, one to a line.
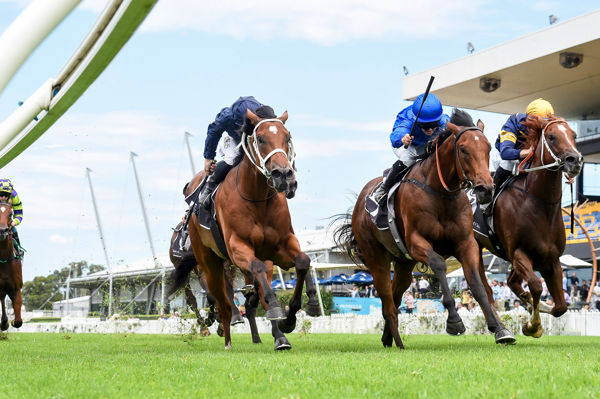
(253,216)
(434,219)
(11,278)
(528,219)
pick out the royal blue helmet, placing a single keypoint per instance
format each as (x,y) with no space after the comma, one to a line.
(432,109)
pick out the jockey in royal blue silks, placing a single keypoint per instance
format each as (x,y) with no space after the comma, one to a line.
(513,136)
(407,148)
(230,120)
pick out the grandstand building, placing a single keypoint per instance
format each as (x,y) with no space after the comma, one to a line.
(560,63)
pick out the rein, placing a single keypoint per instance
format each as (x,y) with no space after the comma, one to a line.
(465,181)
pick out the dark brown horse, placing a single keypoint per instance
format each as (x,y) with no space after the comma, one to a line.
(434,219)
(528,219)
(254,218)
(11,278)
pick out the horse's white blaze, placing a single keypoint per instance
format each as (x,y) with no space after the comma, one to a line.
(3,209)
(476,138)
(563,129)
(273,129)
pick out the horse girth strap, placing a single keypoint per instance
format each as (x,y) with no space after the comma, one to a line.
(430,190)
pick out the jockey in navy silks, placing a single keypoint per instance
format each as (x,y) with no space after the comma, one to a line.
(407,148)
(513,136)
(229,120)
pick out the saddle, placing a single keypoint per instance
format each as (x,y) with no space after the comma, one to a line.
(483,220)
(207,218)
(384,217)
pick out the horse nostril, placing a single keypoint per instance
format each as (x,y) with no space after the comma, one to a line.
(289,174)
(276,173)
(570,159)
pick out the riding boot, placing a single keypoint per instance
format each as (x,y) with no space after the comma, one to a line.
(212,182)
(388,182)
(17,243)
(500,177)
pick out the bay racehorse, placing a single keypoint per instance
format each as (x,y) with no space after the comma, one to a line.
(528,220)
(11,278)
(434,219)
(254,219)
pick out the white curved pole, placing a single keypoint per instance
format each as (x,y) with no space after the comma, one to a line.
(26,32)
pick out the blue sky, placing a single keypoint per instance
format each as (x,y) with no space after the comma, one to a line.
(336,66)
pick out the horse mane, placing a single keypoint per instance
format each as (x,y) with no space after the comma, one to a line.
(535,125)
(264,112)
(458,118)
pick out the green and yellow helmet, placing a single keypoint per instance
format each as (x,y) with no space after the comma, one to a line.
(6,187)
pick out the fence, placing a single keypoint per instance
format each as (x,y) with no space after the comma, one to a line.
(571,323)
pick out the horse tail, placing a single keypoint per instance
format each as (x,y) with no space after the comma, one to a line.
(343,236)
(181,275)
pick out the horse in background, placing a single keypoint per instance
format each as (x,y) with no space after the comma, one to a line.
(528,220)
(11,277)
(434,219)
(254,219)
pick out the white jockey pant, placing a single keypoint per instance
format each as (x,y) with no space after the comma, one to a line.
(409,155)
(231,151)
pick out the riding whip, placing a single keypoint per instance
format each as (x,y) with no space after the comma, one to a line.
(421,107)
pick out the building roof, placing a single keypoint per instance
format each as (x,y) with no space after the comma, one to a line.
(528,67)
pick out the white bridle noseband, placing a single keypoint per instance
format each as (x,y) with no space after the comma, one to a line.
(257,159)
(557,161)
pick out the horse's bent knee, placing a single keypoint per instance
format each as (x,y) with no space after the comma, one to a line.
(559,310)
(302,262)
(256,266)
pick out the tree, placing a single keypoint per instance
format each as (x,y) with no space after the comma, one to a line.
(42,291)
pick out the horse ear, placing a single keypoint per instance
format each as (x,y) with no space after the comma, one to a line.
(453,127)
(283,117)
(480,124)
(253,117)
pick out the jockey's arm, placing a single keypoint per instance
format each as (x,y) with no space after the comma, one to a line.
(17,210)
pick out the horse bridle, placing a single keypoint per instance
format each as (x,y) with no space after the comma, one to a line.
(464,181)
(557,161)
(257,159)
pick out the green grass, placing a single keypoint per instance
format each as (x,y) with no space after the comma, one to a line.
(319,365)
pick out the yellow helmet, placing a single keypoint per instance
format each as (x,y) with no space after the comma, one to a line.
(540,107)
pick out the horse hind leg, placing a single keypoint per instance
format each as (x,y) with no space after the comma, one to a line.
(236,315)
(251,304)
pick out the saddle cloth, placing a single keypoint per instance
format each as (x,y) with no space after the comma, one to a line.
(207,218)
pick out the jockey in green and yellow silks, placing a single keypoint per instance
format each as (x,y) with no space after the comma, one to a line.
(8,192)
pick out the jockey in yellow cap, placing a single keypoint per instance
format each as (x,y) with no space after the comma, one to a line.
(512,138)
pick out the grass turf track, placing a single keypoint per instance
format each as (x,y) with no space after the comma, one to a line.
(319,365)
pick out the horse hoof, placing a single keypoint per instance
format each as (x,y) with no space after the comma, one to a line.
(4,325)
(285,326)
(220,330)
(228,346)
(282,344)
(237,319)
(313,310)
(531,331)
(504,336)
(256,340)
(17,324)
(275,313)
(455,328)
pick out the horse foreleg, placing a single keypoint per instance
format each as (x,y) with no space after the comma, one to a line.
(17,301)
(421,250)
(4,320)
(302,262)
(553,279)
(469,256)
(522,264)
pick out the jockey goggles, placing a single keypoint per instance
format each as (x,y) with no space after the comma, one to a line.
(428,125)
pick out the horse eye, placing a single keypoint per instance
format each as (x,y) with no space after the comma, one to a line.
(551,137)
(463,151)
(260,140)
